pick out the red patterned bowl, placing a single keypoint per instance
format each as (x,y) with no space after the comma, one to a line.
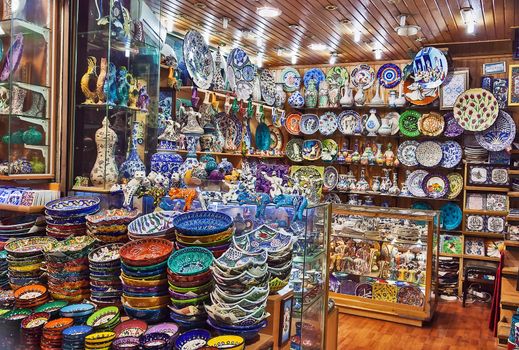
(145,252)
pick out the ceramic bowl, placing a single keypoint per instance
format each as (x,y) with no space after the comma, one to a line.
(248,333)
(16,315)
(145,301)
(145,252)
(18,222)
(244,303)
(148,315)
(130,328)
(52,307)
(237,315)
(254,293)
(199,289)
(126,343)
(199,279)
(99,338)
(228,342)
(276,285)
(66,206)
(29,292)
(234,259)
(202,223)
(220,237)
(141,282)
(28,246)
(77,310)
(153,224)
(36,320)
(152,341)
(190,261)
(113,216)
(103,317)
(192,339)
(168,328)
(58,324)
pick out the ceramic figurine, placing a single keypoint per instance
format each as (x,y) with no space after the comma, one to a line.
(348,157)
(355,156)
(394,189)
(389,156)
(372,124)
(194,97)
(281,96)
(133,162)
(133,92)
(364,158)
(143,101)
(323,94)
(379,156)
(392,98)
(375,185)
(110,87)
(311,94)
(192,126)
(347,96)
(90,96)
(386,128)
(334,94)
(385,184)
(207,140)
(101,97)
(218,80)
(360,97)
(377,100)
(123,87)
(105,173)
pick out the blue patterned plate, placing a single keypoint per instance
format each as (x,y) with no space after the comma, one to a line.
(451,216)
(291,79)
(349,122)
(202,223)
(153,224)
(452,153)
(237,259)
(500,135)
(264,237)
(315,74)
(198,59)
(309,124)
(389,75)
(66,206)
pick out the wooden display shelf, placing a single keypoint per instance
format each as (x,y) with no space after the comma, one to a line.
(510,243)
(513,171)
(224,154)
(451,255)
(90,189)
(510,271)
(484,234)
(478,257)
(22,208)
(486,189)
(485,212)
(513,194)
(23,177)
(369,193)
(274,309)
(512,218)
(265,342)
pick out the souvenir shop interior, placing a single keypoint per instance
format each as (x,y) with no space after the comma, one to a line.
(258,175)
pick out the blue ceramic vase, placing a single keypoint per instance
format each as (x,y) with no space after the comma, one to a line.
(133,162)
(166,161)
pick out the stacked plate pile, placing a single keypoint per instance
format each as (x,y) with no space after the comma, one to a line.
(52,307)
(10,325)
(278,245)
(4,280)
(153,225)
(476,154)
(190,282)
(105,319)
(105,272)
(25,260)
(31,296)
(79,312)
(110,225)
(144,261)
(240,293)
(21,226)
(208,229)
(66,216)
(99,340)
(32,328)
(67,268)
(74,337)
(52,336)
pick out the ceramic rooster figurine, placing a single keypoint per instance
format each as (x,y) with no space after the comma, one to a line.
(85,79)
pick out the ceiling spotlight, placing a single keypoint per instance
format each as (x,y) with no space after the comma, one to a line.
(225,22)
(356,35)
(206,37)
(378,54)
(333,58)
(259,41)
(317,47)
(280,51)
(406,29)
(294,26)
(331,7)
(268,11)
(294,58)
(469,18)
(199,5)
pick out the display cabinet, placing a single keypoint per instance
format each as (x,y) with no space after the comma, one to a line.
(114,92)
(27,97)
(383,262)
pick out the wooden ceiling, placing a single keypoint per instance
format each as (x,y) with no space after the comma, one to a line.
(440,21)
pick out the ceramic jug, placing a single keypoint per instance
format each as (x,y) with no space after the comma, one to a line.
(375,185)
(104,172)
(386,128)
(360,97)
(377,100)
(311,94)
(347,96)
(333,94)
(323,94)
(394,189)
(372,124)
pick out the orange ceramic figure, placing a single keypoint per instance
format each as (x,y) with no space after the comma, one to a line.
(187,194)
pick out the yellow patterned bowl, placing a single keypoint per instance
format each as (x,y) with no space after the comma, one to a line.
(96,339)
(143,302)
(227,342)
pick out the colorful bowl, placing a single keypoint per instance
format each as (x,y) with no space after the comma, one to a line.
(208,239)
(130,328)
(145,252)
(227,342)
(75,205)
(145,301)
(153,224)
(103,317)
(202,223)
(190,261)
(36,320)
(126,343)
(192,339)
(154,341)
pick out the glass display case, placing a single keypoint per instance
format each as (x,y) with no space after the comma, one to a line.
(115,92)
(384,262)
(27,96)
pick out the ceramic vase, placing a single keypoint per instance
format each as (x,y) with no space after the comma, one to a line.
(334,94)
(377,100)
(375,185)
(347,96)
(386,127)
(323,94)
(105,173)
(296,100)
(133,162)
(311,94)
(379,156)
(400,101)
(218,81)
(392,98)
(394,189)
(372,123)
(360,97)
(166,161)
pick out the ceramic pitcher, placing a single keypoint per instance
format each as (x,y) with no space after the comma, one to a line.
(360,97)
(347,96)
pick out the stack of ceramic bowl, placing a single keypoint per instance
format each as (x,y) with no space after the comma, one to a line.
(67,268)
(7,299)
(21,226)
(10,328)
(79,312)
(105,272)
(153,225)
(32,328)
(31,296)
(168,328)
(52,333)
(142,261)
(240,294)
(110,225)
(190,282)
(208,229)
(99,340)
(52,307)
(4,280)
(25,260)
(105,319)
(278,245)
(66,216)
(156,341)
(74,337)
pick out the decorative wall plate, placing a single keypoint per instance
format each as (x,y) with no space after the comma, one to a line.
(414,182)
(240,73)
(238,58)
(475,223)
(452,154)
(198,59)
(362,76)
(455,185)
(500,135)
(410,295)
(309,124)
(327,123)
(389,75)
(499,176)
(292,124)
(331,177)
(312,149)
(435,185)
(452,128)
(430,67)
(291,79)
(315,74)
(349,122)
(276,138)
(364,290)
(268,87)
(338,75)
(294,150)
(478,174)
(330,150)
(416,94)
(385,292)
(431,124)
(495,224)
(408,123)
(451,216)
(476,110)
(429,154)
(406,153)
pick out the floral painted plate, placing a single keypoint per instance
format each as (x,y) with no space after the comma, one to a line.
(292,124)
(328,123)
(414,182)
(452,154)
(362,76)
(500,135)
(294,150)
(276,138)
(389,75)
(291,79)
(309,124)
(410,295)
(268,87)
(338,75)
(312,149)
(430,67)
(476,110)
(330,150)
(455,185)
(349,122)
(408,123)
(406,153)
(315,74)
(435,185)
(331,178)
(431,124)
(429,154)
(452,128)
(451,216)
(198,59)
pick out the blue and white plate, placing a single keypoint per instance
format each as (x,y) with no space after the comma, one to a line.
(452,153)
(309,124)
(349,122)
(430,67)
(198,59)
(500,135)
(291,79)
(316,74)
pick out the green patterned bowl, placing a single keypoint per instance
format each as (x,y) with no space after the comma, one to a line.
(190,261)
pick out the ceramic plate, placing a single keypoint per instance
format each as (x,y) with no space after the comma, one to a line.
(393,117)
(418,95)
(414,182)
(292,124)
(198,59)
(389,75)
(455,185)
(406,153)
(268,87)
(276,138)
(327,123)
(452,154)
(408,123)
(431,124)
(430,67)
(294,150)
(435,185)
(315,74)
(363,76)
(309,124)
(349,122)
(429,154)
(499,176)
(331,177)
(240,73)
(330,150)
(312,149)
(291,79)
(451,216)
(452,128)
(476,110)
(338,75)
(500,135)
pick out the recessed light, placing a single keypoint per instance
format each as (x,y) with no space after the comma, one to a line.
(333,58)
(318,47)
(331,7)
(199,5)
(378,53)
(268,11)
(345,21)
(294,26)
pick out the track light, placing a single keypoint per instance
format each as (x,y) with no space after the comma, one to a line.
(356,35)
(333,58)
(468,16)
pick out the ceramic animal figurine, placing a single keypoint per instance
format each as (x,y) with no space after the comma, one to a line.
(360,97)
(144,99)
(90,96)
(347,96)
(101,98)
(110,87)
(298,202)
(131,188)
(123,87)
(260,200)
(187,194)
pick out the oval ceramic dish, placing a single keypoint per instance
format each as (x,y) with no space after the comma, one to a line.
(153,224)
(500,135)
(67,206)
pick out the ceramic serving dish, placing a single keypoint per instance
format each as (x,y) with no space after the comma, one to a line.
(236,259)
(81,205)
(153,224)
(146,252)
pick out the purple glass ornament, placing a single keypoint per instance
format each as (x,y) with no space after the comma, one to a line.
(13,57)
